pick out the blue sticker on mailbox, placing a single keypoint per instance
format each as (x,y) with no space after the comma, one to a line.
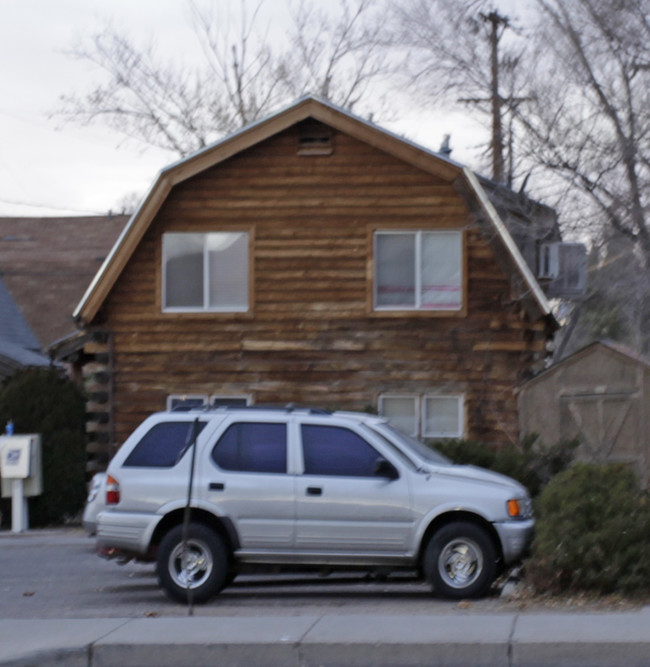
(13,457)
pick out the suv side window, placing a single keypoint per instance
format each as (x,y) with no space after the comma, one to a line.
(161,446)
(252,447)
(334,450)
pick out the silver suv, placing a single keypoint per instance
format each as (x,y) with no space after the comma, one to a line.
(209,494)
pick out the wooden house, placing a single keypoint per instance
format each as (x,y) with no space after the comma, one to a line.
(315,258)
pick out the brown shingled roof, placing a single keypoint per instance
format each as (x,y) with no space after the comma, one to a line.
(47,264)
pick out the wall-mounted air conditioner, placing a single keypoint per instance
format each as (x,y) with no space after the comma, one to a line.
(563,269)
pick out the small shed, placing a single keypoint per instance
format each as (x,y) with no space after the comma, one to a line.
(600,395)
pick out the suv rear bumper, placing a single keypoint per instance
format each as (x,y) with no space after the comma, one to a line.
(515,537)
(128,532)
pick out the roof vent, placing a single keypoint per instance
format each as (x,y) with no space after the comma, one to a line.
(314,138)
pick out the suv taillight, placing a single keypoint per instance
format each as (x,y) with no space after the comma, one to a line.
(112,491)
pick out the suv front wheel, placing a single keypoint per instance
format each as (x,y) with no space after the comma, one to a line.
(198,567)
(460,561)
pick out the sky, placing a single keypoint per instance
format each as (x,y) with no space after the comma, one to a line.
(48,168)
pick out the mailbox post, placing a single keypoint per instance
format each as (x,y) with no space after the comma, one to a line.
(20,469)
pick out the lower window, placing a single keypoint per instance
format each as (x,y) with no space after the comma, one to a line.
(426,416)
(181,402)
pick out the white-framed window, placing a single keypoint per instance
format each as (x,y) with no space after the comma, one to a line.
(418,270)
(231,400)
(192,401)
(186,401)
(403,410)
(428,415)
(205,272)
(443,416)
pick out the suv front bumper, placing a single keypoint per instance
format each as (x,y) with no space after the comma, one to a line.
(515,537)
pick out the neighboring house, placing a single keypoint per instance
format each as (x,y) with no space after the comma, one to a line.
(19,347)
(314,258)
(600,395)
(47,263)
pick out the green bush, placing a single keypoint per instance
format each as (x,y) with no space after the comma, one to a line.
(41,401)
(592,533)
(530,463)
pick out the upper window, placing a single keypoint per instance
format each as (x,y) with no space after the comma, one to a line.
(163,445)
(418,270)
(206,272)
(333,450)
(252,447)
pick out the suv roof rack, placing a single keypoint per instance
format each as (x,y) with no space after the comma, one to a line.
(289,407)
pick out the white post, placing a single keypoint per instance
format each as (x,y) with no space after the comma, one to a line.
(19,512)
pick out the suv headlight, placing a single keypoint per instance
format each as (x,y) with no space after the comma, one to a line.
(519,508)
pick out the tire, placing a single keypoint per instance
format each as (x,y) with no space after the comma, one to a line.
(208,564)
(460,561)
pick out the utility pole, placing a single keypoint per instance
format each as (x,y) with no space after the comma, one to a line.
(498,24)
(496,21)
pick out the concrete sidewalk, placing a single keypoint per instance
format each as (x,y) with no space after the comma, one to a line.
(495,640)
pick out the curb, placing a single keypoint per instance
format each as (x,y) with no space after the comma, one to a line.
(467,640)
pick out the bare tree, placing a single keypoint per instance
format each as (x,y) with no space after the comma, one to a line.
(243,77)
(467,52)
(340,56)
(588,120)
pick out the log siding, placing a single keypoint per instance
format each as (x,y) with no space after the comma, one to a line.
(311,335)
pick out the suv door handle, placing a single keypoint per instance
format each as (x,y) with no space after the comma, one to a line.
(314,491)
(217,486)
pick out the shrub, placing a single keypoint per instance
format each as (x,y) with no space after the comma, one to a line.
(592,533)
(531,463)
(41,401)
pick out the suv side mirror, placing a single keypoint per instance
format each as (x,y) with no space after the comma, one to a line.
(384,468)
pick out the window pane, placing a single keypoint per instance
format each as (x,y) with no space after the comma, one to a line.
(401,412)
(441,270)
(252,447)
(333,450)
(229,401)
(395,269)
(161,446)
(442,417)
(183,257)
(182,402)
(228,269)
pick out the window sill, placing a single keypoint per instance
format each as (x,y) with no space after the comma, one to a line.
(417,312)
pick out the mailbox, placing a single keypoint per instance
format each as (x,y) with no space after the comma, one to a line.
(20,458)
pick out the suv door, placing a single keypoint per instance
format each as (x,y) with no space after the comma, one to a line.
(244,477)
(342,504)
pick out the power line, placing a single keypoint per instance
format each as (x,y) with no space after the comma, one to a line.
(54,208)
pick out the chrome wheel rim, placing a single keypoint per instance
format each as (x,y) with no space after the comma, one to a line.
(460,563)
(190,565)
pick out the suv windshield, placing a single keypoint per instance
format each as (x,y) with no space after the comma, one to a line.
(411,444)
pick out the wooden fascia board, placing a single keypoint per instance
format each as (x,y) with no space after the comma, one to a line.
(533,288)
(121,252)
(383,140)
(311,108)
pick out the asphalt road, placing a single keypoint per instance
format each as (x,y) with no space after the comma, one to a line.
(56,574)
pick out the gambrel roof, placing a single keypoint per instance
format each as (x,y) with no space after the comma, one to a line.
(506,250)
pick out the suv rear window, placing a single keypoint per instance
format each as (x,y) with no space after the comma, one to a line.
(161,446)
(252,447)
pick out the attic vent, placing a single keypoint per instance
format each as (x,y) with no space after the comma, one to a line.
(315,139)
